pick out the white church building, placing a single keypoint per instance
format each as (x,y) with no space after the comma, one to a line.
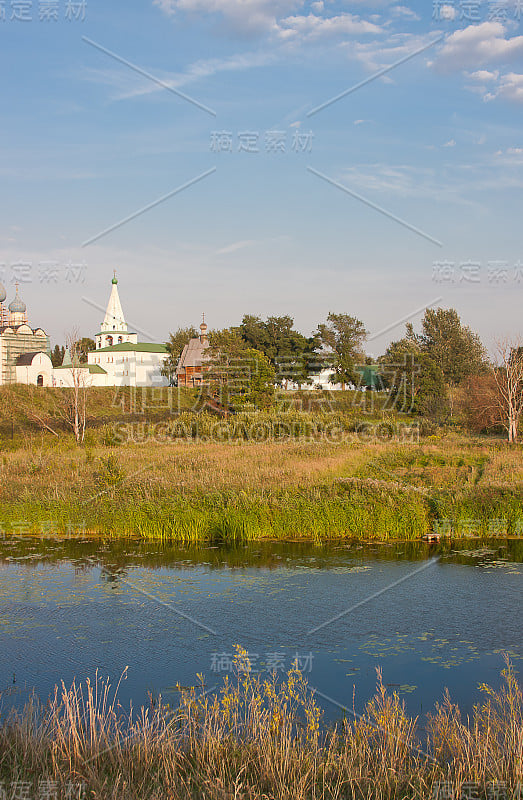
(118,360)
(23,349)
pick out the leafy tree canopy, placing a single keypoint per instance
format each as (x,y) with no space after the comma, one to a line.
(341,339)
(454,347)
(239,374)
(84,346)
(288,350)
(57,355)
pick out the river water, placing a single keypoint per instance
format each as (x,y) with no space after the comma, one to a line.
(431,616)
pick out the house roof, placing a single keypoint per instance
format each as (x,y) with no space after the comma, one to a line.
(127,347)
(26,359)
(15,328)
(93,369)
(193,354)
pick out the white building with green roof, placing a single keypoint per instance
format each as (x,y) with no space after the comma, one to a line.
(119,359)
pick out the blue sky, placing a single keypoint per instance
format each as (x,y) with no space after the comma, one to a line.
(88,140)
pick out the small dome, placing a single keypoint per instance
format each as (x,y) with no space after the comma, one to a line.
(17,306)
(3,293)
(115,279)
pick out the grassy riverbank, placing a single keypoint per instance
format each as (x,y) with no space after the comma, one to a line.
(263,739)
(314,476)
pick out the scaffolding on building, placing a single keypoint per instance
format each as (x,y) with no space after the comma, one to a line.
(14,345)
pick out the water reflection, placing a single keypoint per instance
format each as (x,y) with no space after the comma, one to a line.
(71,606)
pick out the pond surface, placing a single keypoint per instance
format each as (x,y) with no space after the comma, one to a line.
(430,616)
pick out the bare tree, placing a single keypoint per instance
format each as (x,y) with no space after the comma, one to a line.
(73,404)
(508,375)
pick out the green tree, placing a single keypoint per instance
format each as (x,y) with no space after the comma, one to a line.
(341,339)
(400,371)
(57,355)
(84,346)
(432,398)
(253,331)
(288,350)
(238,374)
(175,345)
(454,347)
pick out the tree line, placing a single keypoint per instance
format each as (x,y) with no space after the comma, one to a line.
(442,372)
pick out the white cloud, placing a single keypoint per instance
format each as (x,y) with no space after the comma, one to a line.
(511,157)
(405,12)
(484,76)
(511,87)
(492,85)
(450,143)
(477,45)
(252,16)
(276,17)
(377,54)
(312,27)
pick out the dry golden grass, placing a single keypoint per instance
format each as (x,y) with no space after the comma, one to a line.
(262,739)
(322,488)
(152,467)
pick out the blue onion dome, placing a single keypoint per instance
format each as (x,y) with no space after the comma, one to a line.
(3,293)
(17,306)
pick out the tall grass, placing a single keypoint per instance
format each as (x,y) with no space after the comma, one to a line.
(237,490)
(263,739)
(348,509)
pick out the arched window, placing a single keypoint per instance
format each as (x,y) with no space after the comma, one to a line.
(40,380)
(120,340)
(109,341)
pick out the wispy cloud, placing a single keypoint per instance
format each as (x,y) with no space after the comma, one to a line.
(125,85)
(232,248)
(457,184)
(405,12)
(242,244)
